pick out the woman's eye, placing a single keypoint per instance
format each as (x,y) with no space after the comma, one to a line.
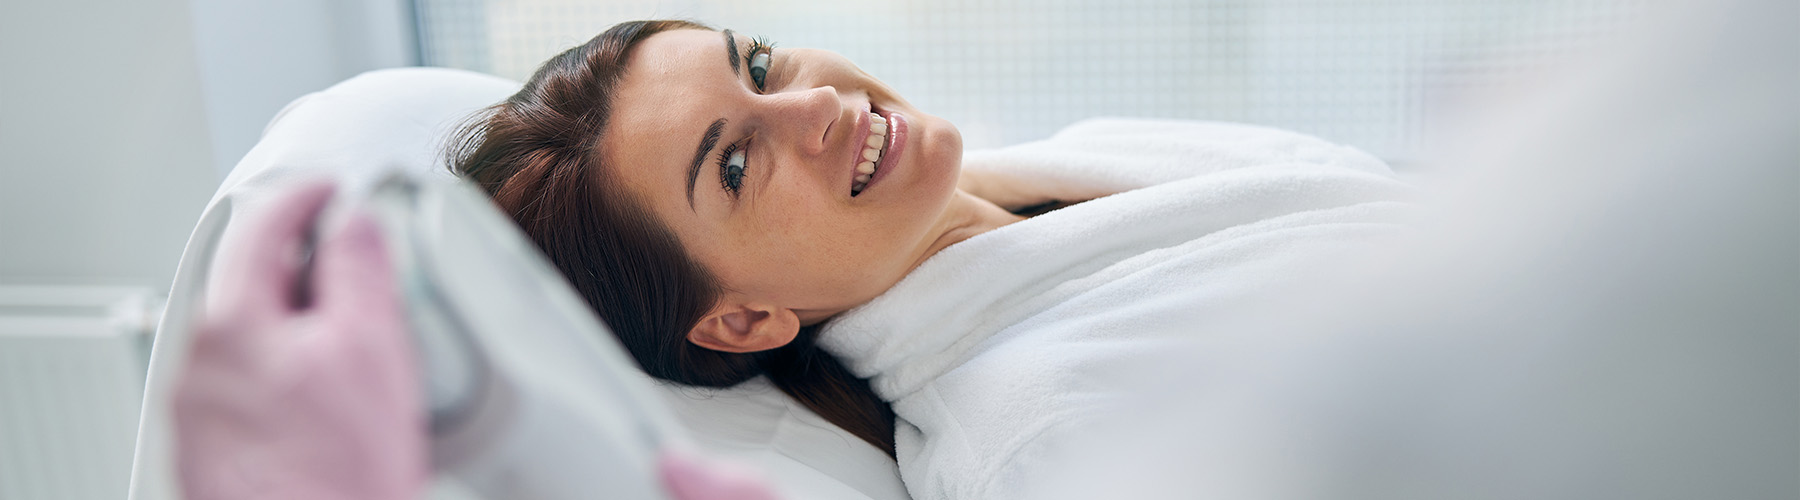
(731,171)
(759,68)
(761,52)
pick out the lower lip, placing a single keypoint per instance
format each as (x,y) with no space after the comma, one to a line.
(895,147)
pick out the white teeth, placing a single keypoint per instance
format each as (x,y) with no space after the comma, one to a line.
(865,167)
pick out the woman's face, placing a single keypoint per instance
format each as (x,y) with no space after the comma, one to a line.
(754,161)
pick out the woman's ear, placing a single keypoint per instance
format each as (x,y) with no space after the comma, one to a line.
(745,327)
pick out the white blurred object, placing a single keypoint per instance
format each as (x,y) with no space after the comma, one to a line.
(1609,307)
(71,378)
(530,396)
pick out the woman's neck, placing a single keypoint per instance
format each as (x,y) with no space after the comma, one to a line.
(966,216)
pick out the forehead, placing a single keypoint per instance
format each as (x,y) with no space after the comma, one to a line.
(667,96)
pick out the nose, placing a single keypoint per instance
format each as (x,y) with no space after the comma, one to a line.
(806,117)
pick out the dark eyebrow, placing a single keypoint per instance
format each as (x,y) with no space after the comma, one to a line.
(731,51)
(706,145)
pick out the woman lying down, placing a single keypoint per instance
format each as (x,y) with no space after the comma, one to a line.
(732,210)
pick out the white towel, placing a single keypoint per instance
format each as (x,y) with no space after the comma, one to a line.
(998,347)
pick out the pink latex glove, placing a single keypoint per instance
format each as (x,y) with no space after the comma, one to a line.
(302,397)
(691,477)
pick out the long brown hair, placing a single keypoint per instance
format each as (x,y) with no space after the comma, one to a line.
(538,155)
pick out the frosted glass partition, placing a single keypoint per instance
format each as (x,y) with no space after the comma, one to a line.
(1373,74)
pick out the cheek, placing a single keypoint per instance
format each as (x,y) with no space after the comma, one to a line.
(831,249)
(812,273)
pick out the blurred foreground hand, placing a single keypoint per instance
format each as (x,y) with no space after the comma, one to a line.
(691,477)
(301,383)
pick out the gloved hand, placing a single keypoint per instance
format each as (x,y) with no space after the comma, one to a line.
(302,392)
(311,391)
(691,477)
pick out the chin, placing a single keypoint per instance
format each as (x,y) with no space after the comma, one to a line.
(943,144)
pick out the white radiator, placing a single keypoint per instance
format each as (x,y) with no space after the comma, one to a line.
(72,361)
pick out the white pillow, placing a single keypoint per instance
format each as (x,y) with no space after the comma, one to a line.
(400,119)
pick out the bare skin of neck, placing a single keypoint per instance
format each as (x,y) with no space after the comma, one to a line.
(967,216)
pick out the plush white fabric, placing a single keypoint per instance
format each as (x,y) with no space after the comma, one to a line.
(998,348)
(365,127)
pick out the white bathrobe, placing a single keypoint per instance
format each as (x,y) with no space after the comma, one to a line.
(1000,348)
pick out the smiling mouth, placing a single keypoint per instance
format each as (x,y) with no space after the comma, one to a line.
(869,161)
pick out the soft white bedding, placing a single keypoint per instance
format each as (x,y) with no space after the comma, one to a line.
(1002,347)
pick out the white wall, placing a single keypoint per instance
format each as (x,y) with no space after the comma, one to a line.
(118,117)
(257,56)
(107,161)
